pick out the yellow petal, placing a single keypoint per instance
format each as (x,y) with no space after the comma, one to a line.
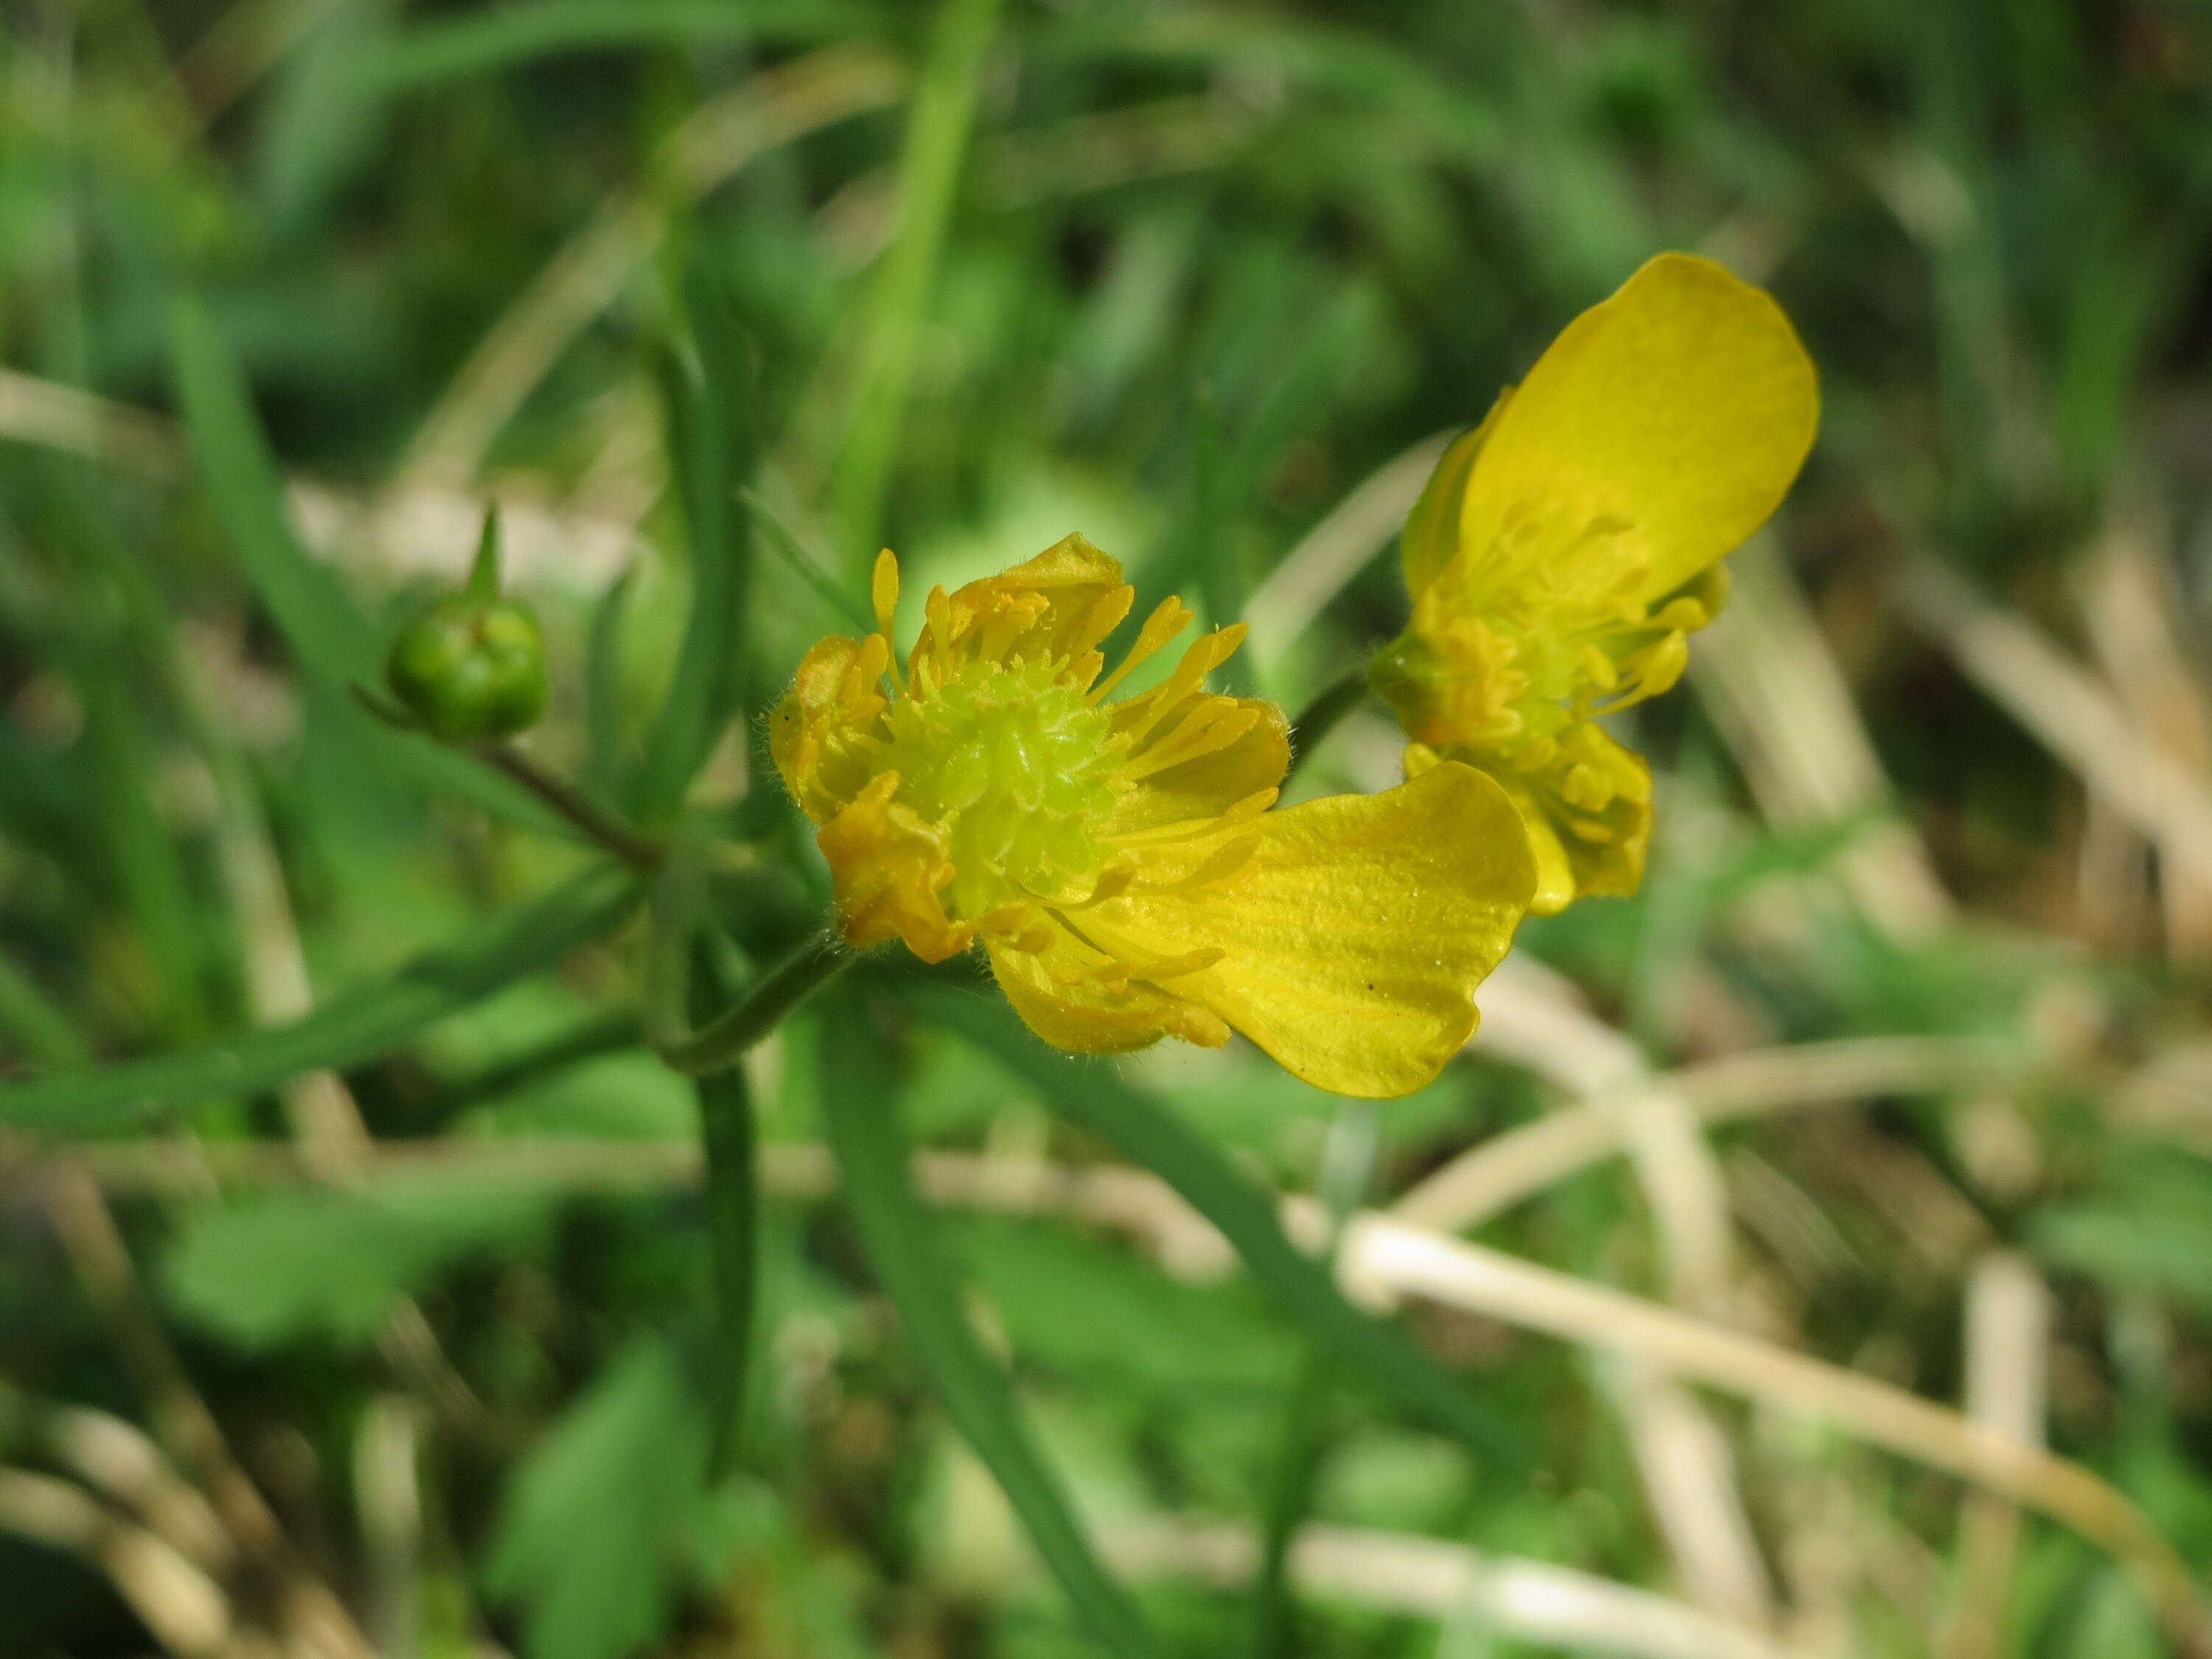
(832,698)
(1057,993)
(1074,579)
(1354,936)
(1213,783)
(1431,532)
(1589,814)
(889,868)
(1661,429)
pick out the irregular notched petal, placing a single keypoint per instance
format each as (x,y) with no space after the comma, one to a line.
(1082,593)
(813,730)
(1682,408)
(1353,938)
(891,866)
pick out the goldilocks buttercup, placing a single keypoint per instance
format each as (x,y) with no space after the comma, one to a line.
(1117,861)
(1565,549)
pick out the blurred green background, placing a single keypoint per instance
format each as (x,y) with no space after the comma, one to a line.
(1905,1041)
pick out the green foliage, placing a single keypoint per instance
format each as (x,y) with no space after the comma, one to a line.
(1138,1326)
(873,1156)
(591,1522)
(735,293)
(285,1266)
(2148,1226)
(348,1029)
(1149,1135)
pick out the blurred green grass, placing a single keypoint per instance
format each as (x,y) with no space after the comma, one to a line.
(961,280)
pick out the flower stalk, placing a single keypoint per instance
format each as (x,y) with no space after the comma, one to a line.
(724,1040)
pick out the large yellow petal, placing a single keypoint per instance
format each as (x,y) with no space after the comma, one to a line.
(1058,996)
(1661,429)
(1431,532)
(1353,938)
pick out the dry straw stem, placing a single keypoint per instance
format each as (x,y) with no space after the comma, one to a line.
(775,107)
(1383,1256)
(183,1609)
(1500,1172)
(317,1106)
(388,1502)
(1764,673)
(2077,719)
(57,416)
(117,1460)
(424,532)
(1690,1478)
(1483,1182)
(315,1621)
(2132,603)
(1688,1473)
(1299,588)
(2007,1381)
(1525,1601)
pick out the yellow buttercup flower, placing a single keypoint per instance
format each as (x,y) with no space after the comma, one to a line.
(1117,861)
(1566,547)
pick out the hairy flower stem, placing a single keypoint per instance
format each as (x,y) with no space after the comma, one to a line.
(639,852)
(723,1039)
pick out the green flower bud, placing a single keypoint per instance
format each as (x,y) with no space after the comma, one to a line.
(472,666)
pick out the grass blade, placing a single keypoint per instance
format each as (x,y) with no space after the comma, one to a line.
(1296,1474)
(727,1132)
(501,37)
(40,1029)
(352,1027)
(729,1136)
(1090,1093)
(940,122)
(603,726)
(859,1096)
(709,422)
(331,643)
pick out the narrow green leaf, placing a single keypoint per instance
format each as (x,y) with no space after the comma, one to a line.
(143,849)
(114,636)
(710,422)
(1296,1475)
(37,1022)
(350,1028)
(729,1137)
(330,637)
(501,37)
(577,1045)
(331,643)
(802,564)
(602,727)
(940,120)
(1089,1092)
(726,1127)
(866,1132)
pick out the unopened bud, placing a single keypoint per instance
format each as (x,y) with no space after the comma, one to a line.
(472,666)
